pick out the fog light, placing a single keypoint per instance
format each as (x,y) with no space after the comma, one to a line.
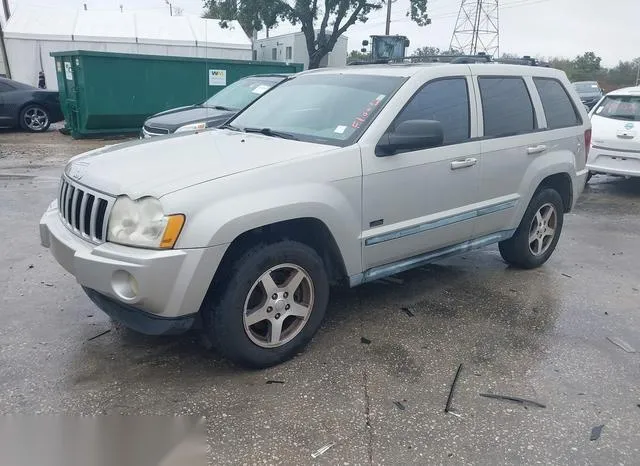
(125,286)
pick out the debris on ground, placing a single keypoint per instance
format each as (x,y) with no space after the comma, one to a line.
(407,311)
(399,405)
(322,450)
(622,344)
(447,407)
(30,266)
(270,382)
(99,335)
(515,399)
(595,432)
(365,341)
(566,275)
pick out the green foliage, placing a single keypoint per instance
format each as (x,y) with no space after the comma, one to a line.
(334,17)
(356,55)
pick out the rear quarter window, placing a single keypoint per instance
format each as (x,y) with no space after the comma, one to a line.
(558,106)
(506,106)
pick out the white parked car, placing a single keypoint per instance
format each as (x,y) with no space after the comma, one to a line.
(615,143)
(336,175)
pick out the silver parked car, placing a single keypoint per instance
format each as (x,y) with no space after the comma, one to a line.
(336,175)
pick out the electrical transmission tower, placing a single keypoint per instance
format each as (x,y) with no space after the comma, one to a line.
(477,28)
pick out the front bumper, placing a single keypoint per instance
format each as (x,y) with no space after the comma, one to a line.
(166,284)
(614,162)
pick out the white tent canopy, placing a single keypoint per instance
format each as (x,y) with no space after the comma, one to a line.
(32,33)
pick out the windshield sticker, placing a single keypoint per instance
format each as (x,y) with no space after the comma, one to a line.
(367,111)
(340,129)
(261,89)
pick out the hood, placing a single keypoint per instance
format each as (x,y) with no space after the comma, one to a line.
(156,167)
(615,134)
(177,117)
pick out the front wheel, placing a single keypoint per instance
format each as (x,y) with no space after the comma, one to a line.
(34,118)
(537,235)
(270,306)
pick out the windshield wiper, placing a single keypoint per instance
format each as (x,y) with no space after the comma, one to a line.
(222,107)
(272,133)
(231,127)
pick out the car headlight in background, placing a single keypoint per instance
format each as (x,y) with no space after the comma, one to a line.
(142,223)
(192,127)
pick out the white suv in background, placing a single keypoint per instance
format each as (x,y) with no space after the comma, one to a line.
(615,148)
(336,175)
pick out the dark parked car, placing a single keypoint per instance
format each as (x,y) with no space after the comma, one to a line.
(28,107)
(214,111)
(589,92)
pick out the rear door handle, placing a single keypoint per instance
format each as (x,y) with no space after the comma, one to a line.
(457,164)
(536,149)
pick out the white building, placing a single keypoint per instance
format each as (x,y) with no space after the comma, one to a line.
(31,34)
(292,48)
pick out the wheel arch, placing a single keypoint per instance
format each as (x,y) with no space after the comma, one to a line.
(310,231)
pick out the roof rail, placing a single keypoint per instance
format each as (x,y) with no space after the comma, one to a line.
(479,58)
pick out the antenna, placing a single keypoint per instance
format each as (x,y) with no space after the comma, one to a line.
(477,28)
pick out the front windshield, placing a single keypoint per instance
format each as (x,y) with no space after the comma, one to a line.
(587,87)
(238,95)
(323,108)
(620,107)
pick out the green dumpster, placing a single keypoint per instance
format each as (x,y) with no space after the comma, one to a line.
(105,93)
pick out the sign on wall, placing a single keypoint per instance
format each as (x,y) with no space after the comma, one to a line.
(217,77)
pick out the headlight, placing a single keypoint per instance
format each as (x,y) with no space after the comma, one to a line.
(142,223)
(192,127)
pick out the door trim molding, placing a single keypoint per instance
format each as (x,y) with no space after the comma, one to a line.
(426,226)
(393,268)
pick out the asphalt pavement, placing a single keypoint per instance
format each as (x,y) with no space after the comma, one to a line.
(373,384)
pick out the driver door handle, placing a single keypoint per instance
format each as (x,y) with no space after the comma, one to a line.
(457,164)
(536,149)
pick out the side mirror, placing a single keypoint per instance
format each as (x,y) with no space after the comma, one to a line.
(411,135)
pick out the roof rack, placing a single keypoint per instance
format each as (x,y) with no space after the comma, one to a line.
(479,58)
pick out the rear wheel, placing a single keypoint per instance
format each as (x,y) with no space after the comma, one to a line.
(270,306)
(34,118)
(537,235)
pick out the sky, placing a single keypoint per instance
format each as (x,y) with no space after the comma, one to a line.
(542,28)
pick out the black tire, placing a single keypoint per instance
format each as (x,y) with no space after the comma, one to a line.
(516,250)
(27,121)
(223,310)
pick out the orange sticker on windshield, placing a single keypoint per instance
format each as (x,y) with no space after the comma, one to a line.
(367,112)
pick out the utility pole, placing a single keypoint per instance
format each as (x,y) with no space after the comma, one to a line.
(170,7)
(638,73)
(477,28)
(3,47)
(386,31)
(5,6)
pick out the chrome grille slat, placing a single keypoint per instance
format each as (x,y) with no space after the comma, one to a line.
(74,204)
(84,211)
(94,216)
(83,207)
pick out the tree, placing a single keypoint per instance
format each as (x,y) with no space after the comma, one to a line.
(586,67)
(334,18)
(426,51)
(357,55)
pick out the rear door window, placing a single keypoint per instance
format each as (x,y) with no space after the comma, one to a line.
(557,105)
(506,106)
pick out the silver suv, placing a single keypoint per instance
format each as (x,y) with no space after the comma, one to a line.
(337,175)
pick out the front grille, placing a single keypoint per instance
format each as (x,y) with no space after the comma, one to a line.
(152,130)
(84,211)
